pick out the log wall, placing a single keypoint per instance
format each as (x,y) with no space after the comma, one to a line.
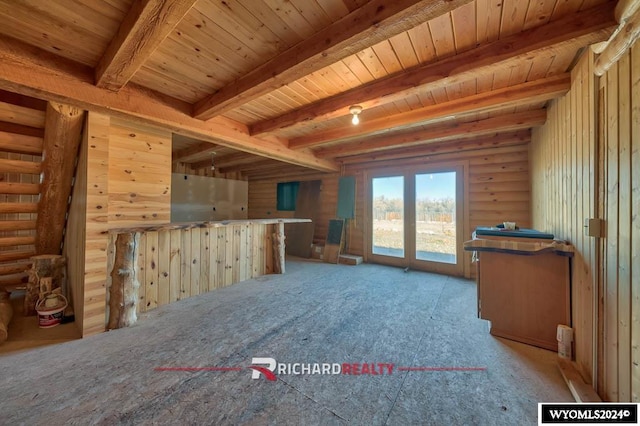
(498,189)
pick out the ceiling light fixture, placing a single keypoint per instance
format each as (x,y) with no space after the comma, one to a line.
(355,110)
(213,166)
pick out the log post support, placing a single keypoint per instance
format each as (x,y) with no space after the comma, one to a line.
(6,312)
(278,249)
(123,293)
(47,267)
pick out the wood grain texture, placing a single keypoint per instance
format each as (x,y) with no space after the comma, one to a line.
(145,26)
(605,350)
(585,27)
(62,135)
(375,21)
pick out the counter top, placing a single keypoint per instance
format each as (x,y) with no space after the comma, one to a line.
(213,224)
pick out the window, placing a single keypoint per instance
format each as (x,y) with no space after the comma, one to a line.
(287,195)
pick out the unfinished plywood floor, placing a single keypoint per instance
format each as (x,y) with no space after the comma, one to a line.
(315,313)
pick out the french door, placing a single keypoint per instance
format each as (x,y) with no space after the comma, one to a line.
(416,218)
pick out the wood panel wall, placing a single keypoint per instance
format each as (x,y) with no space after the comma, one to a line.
(128,182)
(619,119)
(582,166)
(563,181)
(498,188)
(174,264)
(75,234)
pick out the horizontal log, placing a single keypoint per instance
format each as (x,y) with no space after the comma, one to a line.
(20,144)
(14,267)
(16,241)
(10,256)
(19,166)
(20,115)
(18,207)
(14,279)
(19,188)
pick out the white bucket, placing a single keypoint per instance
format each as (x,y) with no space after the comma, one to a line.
(50,314)
(564,335)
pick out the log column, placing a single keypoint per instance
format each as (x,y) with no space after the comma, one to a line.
(278,249)
(123,294)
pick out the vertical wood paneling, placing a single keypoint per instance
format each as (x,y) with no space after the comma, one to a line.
(611,249)
(613,354)
(635,224)
(164,268)
(561,179)
(95,273)
(75,234)
(127,177)
(175,264)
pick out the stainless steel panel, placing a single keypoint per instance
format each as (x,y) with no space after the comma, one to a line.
(201,198)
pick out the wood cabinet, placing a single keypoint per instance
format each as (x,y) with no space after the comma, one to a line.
(524,296)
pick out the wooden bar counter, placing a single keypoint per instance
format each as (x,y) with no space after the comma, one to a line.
(154,265)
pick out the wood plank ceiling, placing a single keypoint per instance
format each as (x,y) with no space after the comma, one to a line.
(262,82)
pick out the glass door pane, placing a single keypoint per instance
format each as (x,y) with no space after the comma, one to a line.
(436,217)
(388,216)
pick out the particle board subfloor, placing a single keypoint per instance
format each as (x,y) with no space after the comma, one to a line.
(317,312)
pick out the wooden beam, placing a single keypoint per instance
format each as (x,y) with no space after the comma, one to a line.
(617,46)
(19,188)
(20,115)
(572,32)
(16,241)
(503,123)
(18,207)
(526,93)
(226,160)
(20,144)
(494,140)
(374,22)
(19,166)
(17,225)
(253,165)
(34,72)
(143,29)
(62,134)
(10,256)
(191,153)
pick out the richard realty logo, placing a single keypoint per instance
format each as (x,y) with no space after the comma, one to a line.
(270,369)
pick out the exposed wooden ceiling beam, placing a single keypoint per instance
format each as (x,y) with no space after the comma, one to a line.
(254,165)
(494,140)
(192,153)
(33,72)
(376,21)
(526,93)
(574,31)
(145,26)
(502,123)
